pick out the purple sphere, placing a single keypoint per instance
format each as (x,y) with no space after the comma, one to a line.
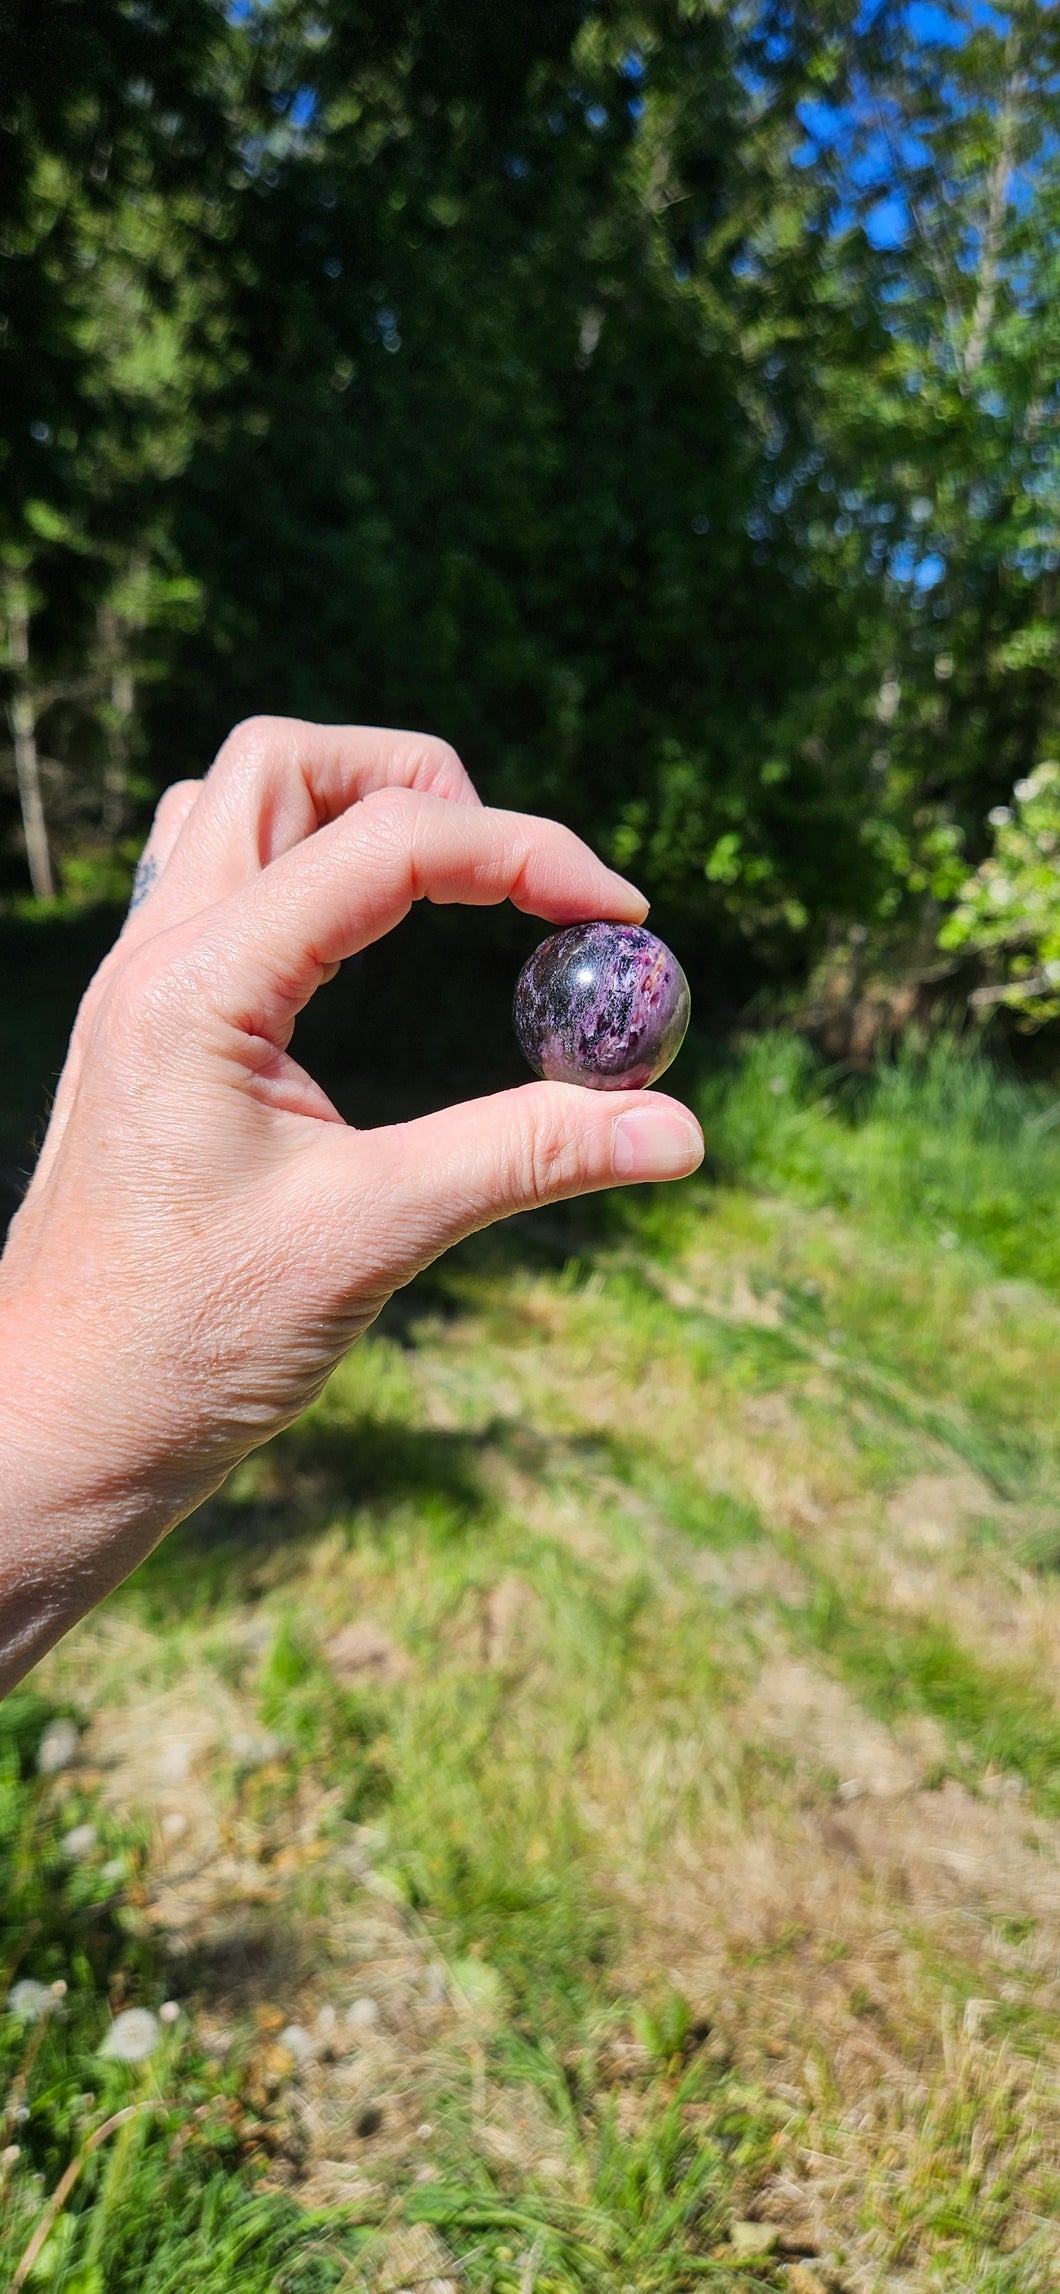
(602,1004)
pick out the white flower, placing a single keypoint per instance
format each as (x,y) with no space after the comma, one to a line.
(173,1762)
(254,1749)
(362,2014)
(29,2000)
(134,2034)
(57,1747)
(297,2041)
(1000,815)
(79,1843)
(1043,777)
(169,2012)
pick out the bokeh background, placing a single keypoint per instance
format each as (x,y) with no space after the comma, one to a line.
(582,1810)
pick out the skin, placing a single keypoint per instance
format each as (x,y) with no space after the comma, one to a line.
(204,1237)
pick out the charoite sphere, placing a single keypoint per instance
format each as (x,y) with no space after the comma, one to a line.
(601,1004)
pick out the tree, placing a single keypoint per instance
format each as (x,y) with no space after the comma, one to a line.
(947,454)
(660,399)
(522,392)
(107,161)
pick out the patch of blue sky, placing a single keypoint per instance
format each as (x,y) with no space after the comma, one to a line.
(824,121)
(887,224)
(923,573)
(935,26)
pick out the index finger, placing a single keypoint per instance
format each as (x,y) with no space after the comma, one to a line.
(275,781)
(357,878)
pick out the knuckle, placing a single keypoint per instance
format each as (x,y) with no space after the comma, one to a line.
(174,804)
(552,1160)
(388,804)
(390,815)
(142,1004)
(249,744)
(178,794)
(443,764)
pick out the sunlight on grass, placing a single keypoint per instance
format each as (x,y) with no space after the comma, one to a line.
(936,1141)
(570,1700)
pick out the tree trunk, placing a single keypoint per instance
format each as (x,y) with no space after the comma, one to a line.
(1000,185)
(122,703)
(27,758)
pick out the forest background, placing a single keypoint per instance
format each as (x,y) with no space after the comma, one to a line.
(658,400)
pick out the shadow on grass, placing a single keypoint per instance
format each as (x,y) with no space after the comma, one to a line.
(303,1483)
(361,1478)
(252,1955)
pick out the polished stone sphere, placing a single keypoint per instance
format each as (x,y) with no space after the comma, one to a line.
(601,1004)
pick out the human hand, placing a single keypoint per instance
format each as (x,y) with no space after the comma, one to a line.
(204,1237)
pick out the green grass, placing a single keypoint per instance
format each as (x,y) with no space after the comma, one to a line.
(995,1717)
(676,1519)
(936,1144)
(163,2201)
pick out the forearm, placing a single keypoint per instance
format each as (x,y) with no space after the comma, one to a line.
(82,1497)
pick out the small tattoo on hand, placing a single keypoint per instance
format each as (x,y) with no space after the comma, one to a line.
(146,875)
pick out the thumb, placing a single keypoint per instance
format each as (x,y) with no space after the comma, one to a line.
(420,1186)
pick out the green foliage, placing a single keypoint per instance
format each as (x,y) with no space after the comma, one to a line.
(1011,906)
(937,1141)
(648,2209)
(659,401)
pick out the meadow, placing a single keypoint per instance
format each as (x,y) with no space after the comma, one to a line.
(582,1808)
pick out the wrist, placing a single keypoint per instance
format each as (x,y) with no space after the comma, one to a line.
(83,1497)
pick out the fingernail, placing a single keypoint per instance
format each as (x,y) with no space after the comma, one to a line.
(634,890)
(655,1143)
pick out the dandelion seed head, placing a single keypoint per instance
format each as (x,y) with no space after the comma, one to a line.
(57,1747)
(29,2000)
(133,2035)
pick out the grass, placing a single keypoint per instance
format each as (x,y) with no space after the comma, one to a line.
(996,1716)
(155,2204)
(617,1730)
(937,1143)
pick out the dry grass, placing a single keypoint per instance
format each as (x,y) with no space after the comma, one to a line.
(638,1683)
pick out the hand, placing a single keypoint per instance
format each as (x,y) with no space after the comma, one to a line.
(204,1237)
